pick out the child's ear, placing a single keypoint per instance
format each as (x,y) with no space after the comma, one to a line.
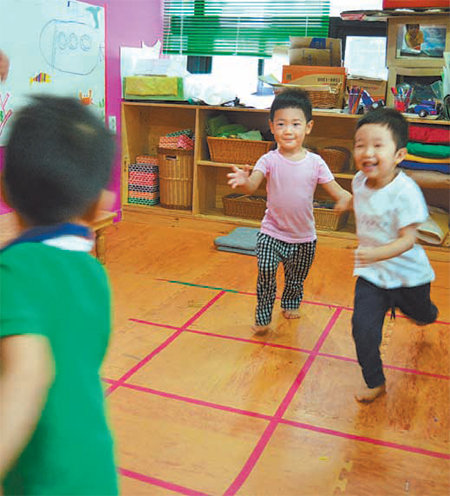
(309,126)
(271,126)
(400,154)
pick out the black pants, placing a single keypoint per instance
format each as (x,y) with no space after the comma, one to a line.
(370,307)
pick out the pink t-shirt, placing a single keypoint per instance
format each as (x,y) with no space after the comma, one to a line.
(290,191)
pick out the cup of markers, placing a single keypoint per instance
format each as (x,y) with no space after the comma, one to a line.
(402,97)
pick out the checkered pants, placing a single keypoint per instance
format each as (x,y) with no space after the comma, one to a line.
(296,258)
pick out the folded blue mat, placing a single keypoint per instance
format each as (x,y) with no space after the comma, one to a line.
(408,164)
(240,240)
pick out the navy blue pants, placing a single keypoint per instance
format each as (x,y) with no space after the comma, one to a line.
(370,307)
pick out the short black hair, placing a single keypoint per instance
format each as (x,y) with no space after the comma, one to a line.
(292,98)
(392,119)
(59,157)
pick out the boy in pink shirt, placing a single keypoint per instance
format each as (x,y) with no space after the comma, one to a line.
(287,232)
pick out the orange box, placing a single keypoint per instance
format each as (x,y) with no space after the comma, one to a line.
(310,75)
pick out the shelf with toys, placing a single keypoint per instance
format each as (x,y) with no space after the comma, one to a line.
(144,123)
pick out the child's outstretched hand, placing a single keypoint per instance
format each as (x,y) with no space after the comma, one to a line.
(238,177)
(345,202)
(365,257)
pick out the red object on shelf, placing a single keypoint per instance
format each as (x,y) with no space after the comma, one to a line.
(414,4)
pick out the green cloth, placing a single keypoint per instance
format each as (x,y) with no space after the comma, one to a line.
(425,150)
(62,295)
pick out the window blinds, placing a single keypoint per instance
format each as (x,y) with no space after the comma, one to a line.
(240,27)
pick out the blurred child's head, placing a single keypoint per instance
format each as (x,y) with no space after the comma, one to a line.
(290,120)
(292,98)
(390,118)
(380,144)
(58,160)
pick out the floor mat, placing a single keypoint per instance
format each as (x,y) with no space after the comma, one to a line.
(240,240)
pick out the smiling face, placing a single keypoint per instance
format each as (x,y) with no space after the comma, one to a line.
(289,127)
(375,153)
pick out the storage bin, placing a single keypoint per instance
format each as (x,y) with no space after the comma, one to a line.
(237,151)
(175,178)
(328,219)
(244,206)
(336,157)
(143,181)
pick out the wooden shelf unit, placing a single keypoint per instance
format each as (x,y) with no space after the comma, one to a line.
(143,124)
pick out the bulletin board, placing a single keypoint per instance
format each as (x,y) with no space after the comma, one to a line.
(55,47)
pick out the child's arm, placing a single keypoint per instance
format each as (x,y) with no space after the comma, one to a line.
(26,376)
(404,242)
(241,177)
(342,197)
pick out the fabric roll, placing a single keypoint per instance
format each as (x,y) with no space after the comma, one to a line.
(430,151)
(429,134)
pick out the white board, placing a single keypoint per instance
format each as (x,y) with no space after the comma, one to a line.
(55,47)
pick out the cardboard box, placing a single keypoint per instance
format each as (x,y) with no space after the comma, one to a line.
(332,48)
(309,56)
(314,75)
(375,87)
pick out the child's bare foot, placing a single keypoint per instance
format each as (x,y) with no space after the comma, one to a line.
(367,395)
(260,330)
(291,314)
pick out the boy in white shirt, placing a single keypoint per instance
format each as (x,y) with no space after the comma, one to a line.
(287,232)
(393,271)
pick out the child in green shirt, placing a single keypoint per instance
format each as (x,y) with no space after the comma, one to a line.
(54,306)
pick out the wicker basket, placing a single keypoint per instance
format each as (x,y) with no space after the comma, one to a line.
(336,157)
(320,96)
(327,98)
(244,206)
(237,151)
(328,219)
(175,178)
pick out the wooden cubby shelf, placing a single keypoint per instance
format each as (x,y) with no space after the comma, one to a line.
(143,123)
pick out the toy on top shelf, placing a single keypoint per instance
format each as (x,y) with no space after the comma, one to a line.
(427,107)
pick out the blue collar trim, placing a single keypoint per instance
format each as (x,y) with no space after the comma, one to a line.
(42,233)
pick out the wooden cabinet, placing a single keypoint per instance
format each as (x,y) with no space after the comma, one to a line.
(144,123)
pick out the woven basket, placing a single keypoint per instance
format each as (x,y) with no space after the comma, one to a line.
(336,157)
(328,219)
(326,98)
(237,151)
(244,206)
(320,96)
(175,178)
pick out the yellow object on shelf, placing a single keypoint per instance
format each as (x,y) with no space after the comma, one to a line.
(153,87)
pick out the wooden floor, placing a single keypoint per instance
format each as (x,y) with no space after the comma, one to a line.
(200,406)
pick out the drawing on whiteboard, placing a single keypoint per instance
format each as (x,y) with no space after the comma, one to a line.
(85,100)
(70,46)
(4,115)
(94,11)
(42,77)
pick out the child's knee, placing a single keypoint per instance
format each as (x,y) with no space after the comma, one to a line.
(431,316)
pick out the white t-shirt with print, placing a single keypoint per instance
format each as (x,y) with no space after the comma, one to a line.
(380,213)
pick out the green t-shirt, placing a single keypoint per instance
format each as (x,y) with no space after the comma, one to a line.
(63,295)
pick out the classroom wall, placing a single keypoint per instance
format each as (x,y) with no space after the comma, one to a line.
(128,23)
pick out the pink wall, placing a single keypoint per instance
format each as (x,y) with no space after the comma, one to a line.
(128,23)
